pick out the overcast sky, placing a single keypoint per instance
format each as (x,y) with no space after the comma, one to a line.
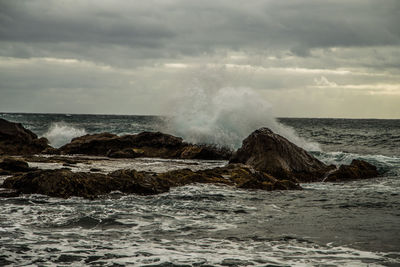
(327,58)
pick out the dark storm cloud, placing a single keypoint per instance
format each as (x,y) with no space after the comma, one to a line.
(103,30)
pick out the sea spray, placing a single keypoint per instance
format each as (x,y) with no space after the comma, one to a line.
(61,133)
(225,116)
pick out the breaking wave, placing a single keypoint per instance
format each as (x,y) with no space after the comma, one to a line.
(61,133)
(226,116)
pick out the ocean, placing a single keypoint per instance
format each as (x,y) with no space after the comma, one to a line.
(326,224)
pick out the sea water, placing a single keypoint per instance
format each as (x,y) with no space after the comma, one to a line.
(326,224)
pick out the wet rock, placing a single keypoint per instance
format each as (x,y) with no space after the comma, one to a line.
(146,144)
(274,154)
(238,175)
(90,144)
(16,140)
(51,151)
(65,183)
(205,152)
(357,170)
(143,183)
(8,193)
(14,165)
(126,153)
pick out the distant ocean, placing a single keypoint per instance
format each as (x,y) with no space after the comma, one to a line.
(327,224)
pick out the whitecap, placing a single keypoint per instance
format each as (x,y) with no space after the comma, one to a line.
(61,133)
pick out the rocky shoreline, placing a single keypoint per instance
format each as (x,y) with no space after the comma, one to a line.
(266,161)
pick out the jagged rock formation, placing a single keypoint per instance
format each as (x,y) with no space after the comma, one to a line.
(65,183)
(12,165)
(271,153)
(357,170)
(145,144)
(266,161)
(16,140)
(274,154)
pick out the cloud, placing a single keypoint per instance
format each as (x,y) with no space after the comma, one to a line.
(170,29)
(137,52)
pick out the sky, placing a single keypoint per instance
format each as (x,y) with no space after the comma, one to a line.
(306,58)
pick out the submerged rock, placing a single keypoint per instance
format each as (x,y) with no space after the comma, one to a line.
(16,140)
(145,144)
(274,154)
(357,170)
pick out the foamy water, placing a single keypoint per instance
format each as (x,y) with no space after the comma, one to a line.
(326,224)
(226,116)
(193,225)
(61,133)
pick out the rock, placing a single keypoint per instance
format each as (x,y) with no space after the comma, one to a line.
(51,151)
(15,165)
(205,152)
(16,140)
(357,170)
(146,144)
(238,175)
(65,183)
(126,153)
(8,193)
(143,183)
(271,153)
(91,144)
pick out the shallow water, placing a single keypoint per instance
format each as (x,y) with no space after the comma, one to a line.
(326,224)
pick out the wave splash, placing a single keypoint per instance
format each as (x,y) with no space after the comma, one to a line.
(226,116)
(61,133)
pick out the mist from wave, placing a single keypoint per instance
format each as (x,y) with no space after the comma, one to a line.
(61,133)
(225,116)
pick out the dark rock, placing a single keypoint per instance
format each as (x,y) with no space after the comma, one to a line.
(16,140)
(126,153)
(143,183)
(64,183)
(68,165)
(271,153)
(205,152)
(51,151)
(14,165)
(8,193)
(238,175)
(91,144)
(357,170)
(146,144)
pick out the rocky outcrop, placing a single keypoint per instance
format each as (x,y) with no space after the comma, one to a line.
(145,144)
(237,175)
(12,165)
(16,140)
(357,170)
(65,183)
(271,153)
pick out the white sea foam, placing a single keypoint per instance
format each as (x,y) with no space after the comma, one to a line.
(225,116)
(61,133)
